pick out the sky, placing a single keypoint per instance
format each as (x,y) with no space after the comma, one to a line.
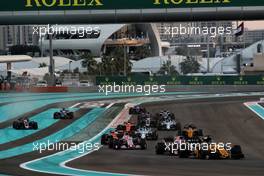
(254,25)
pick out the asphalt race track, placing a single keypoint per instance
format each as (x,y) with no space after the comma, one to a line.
(226,119)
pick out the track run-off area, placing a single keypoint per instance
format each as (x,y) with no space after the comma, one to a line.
(232,117)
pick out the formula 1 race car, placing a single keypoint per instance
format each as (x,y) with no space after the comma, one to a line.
(167,145)
(131,142)
(63,114)
(179,146)
(118,133)
(25,124)
(147,133)
(144,119)
(126,127)
(169,125)
(191,132)
(214,152)
(107,139)
(136,110)
(164,115)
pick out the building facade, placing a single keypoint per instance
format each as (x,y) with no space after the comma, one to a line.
(11,35)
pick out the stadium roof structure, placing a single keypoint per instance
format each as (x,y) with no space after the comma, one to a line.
(14,58)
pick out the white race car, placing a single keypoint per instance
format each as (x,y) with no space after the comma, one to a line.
(147,133)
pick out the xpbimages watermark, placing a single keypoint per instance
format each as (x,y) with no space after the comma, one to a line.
(183,146)
(196,30)
(141,89)
(61,146)
(81,31)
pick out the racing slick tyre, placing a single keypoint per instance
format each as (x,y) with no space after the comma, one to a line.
(178,126)
(143,144)
(200,132)
(180,132)
(236,152)
(184,153)
(120,128)
(110,143)
(173,127)
(161,127)
(131,111)
(33,125)
(56,115)
(104,138)
(16,125)
(116,145)
(204,155)
(160,148)
(155,136)
(70,115)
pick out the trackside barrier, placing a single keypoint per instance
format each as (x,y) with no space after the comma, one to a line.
(48,89)
(5,86)
(180,80)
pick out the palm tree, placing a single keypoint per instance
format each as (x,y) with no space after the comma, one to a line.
(168,69)
(190,65)
(90,63)
(117,58)
(142,52)
(42,65)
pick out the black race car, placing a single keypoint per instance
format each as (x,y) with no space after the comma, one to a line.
(144,119)
(25,124)
(63,114)
(136,110)
(164,146)
(164,115)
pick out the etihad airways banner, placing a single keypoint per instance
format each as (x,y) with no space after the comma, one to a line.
(35,5)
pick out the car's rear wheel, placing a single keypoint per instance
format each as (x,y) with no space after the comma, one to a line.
(34,125)
(160,149)
(57,115)
(131,111)
(103,139)
(116,145)
(236,152)
(143,144)
(155,136)
(200,132)
(204,155)
(110,145)
(178,126)
(15,125)
(71,115)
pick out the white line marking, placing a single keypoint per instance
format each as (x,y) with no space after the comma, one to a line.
(110,105)
(75,105)
(254,103)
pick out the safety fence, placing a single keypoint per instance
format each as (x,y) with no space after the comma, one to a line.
(180,80)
